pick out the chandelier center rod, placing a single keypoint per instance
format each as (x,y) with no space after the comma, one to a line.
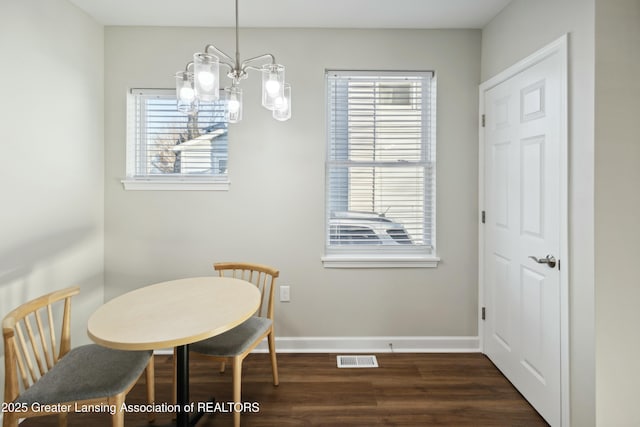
(237,39)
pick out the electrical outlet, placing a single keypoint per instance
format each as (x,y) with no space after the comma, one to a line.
(285,295)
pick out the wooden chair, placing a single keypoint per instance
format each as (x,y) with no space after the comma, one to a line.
(237,343)
(44,376)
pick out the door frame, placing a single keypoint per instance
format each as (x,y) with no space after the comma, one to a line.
(560,47)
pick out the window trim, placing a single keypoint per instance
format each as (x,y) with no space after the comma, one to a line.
(131,182)
(385,260)
(173,184)
(376,256)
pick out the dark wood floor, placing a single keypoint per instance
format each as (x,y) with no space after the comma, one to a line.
(406,390)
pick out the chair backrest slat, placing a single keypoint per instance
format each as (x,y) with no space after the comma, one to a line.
(52,334)
(262,276)
(23,351)
(43,341)
(65,333)
(34,346)
(22,369)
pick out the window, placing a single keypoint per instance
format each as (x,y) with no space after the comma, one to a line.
(169,150)
(380,169)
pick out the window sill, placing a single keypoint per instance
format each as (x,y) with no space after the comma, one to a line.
(176,185)
(380,261)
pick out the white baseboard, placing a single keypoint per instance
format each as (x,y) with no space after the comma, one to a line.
(370,345)
(374,345)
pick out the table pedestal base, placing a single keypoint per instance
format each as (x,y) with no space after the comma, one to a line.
(183,417)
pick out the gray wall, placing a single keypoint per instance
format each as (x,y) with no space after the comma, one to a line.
(52,175)
(617,211)
(55,186)
(273,213)
(522,28)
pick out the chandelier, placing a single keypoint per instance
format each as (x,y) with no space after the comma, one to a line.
(200,82)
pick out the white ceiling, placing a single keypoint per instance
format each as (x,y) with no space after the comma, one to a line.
(296,13)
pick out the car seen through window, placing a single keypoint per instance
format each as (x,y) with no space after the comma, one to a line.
(366,228)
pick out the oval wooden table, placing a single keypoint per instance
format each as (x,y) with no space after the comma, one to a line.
(174,314)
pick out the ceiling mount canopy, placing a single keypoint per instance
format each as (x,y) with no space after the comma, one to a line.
(200,82)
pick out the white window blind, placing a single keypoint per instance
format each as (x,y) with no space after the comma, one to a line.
(380,169)
(172,149)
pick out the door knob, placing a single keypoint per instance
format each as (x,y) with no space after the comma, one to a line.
(549,260)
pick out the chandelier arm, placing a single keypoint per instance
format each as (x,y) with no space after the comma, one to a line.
(251,67)
(219,52)
(245,64)
(258,58)
(189,66)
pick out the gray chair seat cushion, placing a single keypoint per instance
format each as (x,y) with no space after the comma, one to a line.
(235,341)
(87,372)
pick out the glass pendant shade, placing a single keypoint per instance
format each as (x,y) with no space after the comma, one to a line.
(234,104)
(282,110)
(185,93)
(272,84)
(206,76)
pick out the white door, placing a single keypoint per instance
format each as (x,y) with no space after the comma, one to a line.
(524,143)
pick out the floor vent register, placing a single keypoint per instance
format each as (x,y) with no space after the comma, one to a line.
(357,361)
